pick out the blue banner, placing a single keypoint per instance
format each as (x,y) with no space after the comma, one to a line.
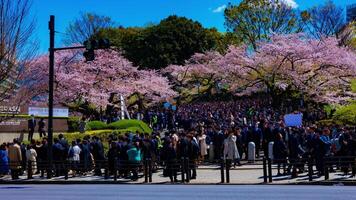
(293,119)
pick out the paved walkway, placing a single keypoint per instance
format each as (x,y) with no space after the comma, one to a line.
(8,137)
(248,174)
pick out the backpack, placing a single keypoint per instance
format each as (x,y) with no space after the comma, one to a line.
(71,153)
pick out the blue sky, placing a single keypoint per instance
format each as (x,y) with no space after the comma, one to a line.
(139,12)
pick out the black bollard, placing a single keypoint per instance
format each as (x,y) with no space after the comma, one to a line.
(269,170)
(326,170)
(115,169)
(106,172)
(29,170)
(264,170)
(228,165)
(49,169)
(310,169)
(182,169)
(222,166)
(66,168)
(146,170)
(187,167)
(150,170)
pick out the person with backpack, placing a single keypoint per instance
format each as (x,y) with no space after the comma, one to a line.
(134,159)
(74,157)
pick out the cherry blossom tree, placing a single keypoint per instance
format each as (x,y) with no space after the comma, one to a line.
(319,69)
(77,80)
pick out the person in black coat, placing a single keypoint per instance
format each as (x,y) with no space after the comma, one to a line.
(294,152)
(41,128)
(42,158)
(218,141)
(98,154)
(113,154)
(257,138)
(280,153)
(123,147)
(169,156)
(193,154)
(58,159)
(31,127)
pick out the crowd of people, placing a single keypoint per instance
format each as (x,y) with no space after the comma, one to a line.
(196,133)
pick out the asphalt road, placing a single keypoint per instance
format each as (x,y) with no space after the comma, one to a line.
(172,192)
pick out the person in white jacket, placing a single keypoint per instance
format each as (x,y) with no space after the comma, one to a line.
(31,155)
(74,157)
(230,149)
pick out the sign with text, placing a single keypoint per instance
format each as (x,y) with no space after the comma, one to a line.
(293,119)
(9,109)
(57,112)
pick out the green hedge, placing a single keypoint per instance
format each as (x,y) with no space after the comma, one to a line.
(73,124)
(131,124)
(96,125)
(346,114)
(102,134)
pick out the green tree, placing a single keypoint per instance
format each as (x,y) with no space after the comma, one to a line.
(221,41)
(256,20)
(122,38)
(172,41)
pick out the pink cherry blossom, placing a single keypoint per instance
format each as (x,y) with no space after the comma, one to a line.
(94,81)
(320,69)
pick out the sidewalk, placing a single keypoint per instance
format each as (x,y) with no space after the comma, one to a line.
(8,137)
(248,174)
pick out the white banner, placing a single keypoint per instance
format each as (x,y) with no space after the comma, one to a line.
(57,112)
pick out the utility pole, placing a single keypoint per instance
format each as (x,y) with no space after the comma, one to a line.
(89,55)
(50,95)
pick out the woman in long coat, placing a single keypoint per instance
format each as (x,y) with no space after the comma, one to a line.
(203,146)
(230,149)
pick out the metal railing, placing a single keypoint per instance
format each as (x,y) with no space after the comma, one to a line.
(183,168)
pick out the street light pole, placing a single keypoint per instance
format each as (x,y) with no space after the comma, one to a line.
(103,44)
(50,95)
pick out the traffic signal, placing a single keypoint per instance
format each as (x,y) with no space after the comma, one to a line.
(104,43)
(91,45)
(89,55)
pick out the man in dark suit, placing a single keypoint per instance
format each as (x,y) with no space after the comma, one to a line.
(41,128)
(98,154)
(31,127)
